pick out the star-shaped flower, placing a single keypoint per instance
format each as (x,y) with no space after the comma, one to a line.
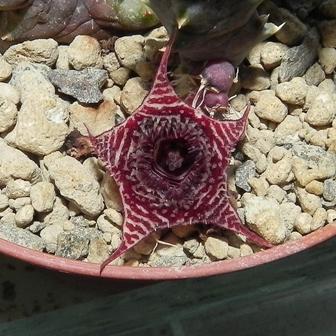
(170,162)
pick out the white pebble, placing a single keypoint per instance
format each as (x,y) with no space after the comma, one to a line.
(18,188)
(43,196)
(24,216)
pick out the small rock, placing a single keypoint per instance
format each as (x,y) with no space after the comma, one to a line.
(75,183)
(112,94)
(277,153)
(254,56)
(82,222)
(25,74)
(110,191)
(50,234)
(275,192)
(43,51)
(83,85)
(8,91)
(216,248)
(62,62)
(329,190)
(239,102)
(43,196)
(243,175)
(308,202)
(312,163)
(133,94)
(255,78)
(271,54)
(58,215)
(269,107)
(299,58)
(16,165)
(289,212)
(245,250)
(24,216)
(114,216)
(279,172)
(18,203)
(315,187)
(318,138)
(120,76)
(293,92)
(331,216)
(129,50)
(41,126)
(18,188)
(106,226)
(20,236)
(314,75)
(5,69)
(233,252)
(84,52)
(328,33)
(263,216)
(303,223)
(98,251)
(259,185)
(3,202)
(168,257)
(288,130)
(319,219)
(191,245)
(8,114)
(295,236)
(328,85)
(98,119)
(72,246)
(327,59)
(36,227)
(115,241)
(107,236)
(111,62)
(154,41)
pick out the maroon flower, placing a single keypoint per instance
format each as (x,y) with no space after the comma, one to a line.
(170,162)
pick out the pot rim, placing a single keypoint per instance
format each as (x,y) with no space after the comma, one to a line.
(76,267)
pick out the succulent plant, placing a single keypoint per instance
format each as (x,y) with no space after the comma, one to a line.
(214,29)
(64,19)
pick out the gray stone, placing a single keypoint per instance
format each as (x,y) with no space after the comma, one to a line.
(168,257)
(329,190)
(98,251)
(313,155)
(36,227)
(20,236)
(299,58)
(243,174)
(191,245)
(73,246)
(80,221)
(315,75)
(83,85)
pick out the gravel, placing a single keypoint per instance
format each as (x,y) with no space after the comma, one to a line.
(284,172)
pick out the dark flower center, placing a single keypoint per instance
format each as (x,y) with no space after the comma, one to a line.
(173,157)
(170,160)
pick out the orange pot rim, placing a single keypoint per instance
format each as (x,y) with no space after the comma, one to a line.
(76,267)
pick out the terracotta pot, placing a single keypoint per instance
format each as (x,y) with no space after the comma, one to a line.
(146,273)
